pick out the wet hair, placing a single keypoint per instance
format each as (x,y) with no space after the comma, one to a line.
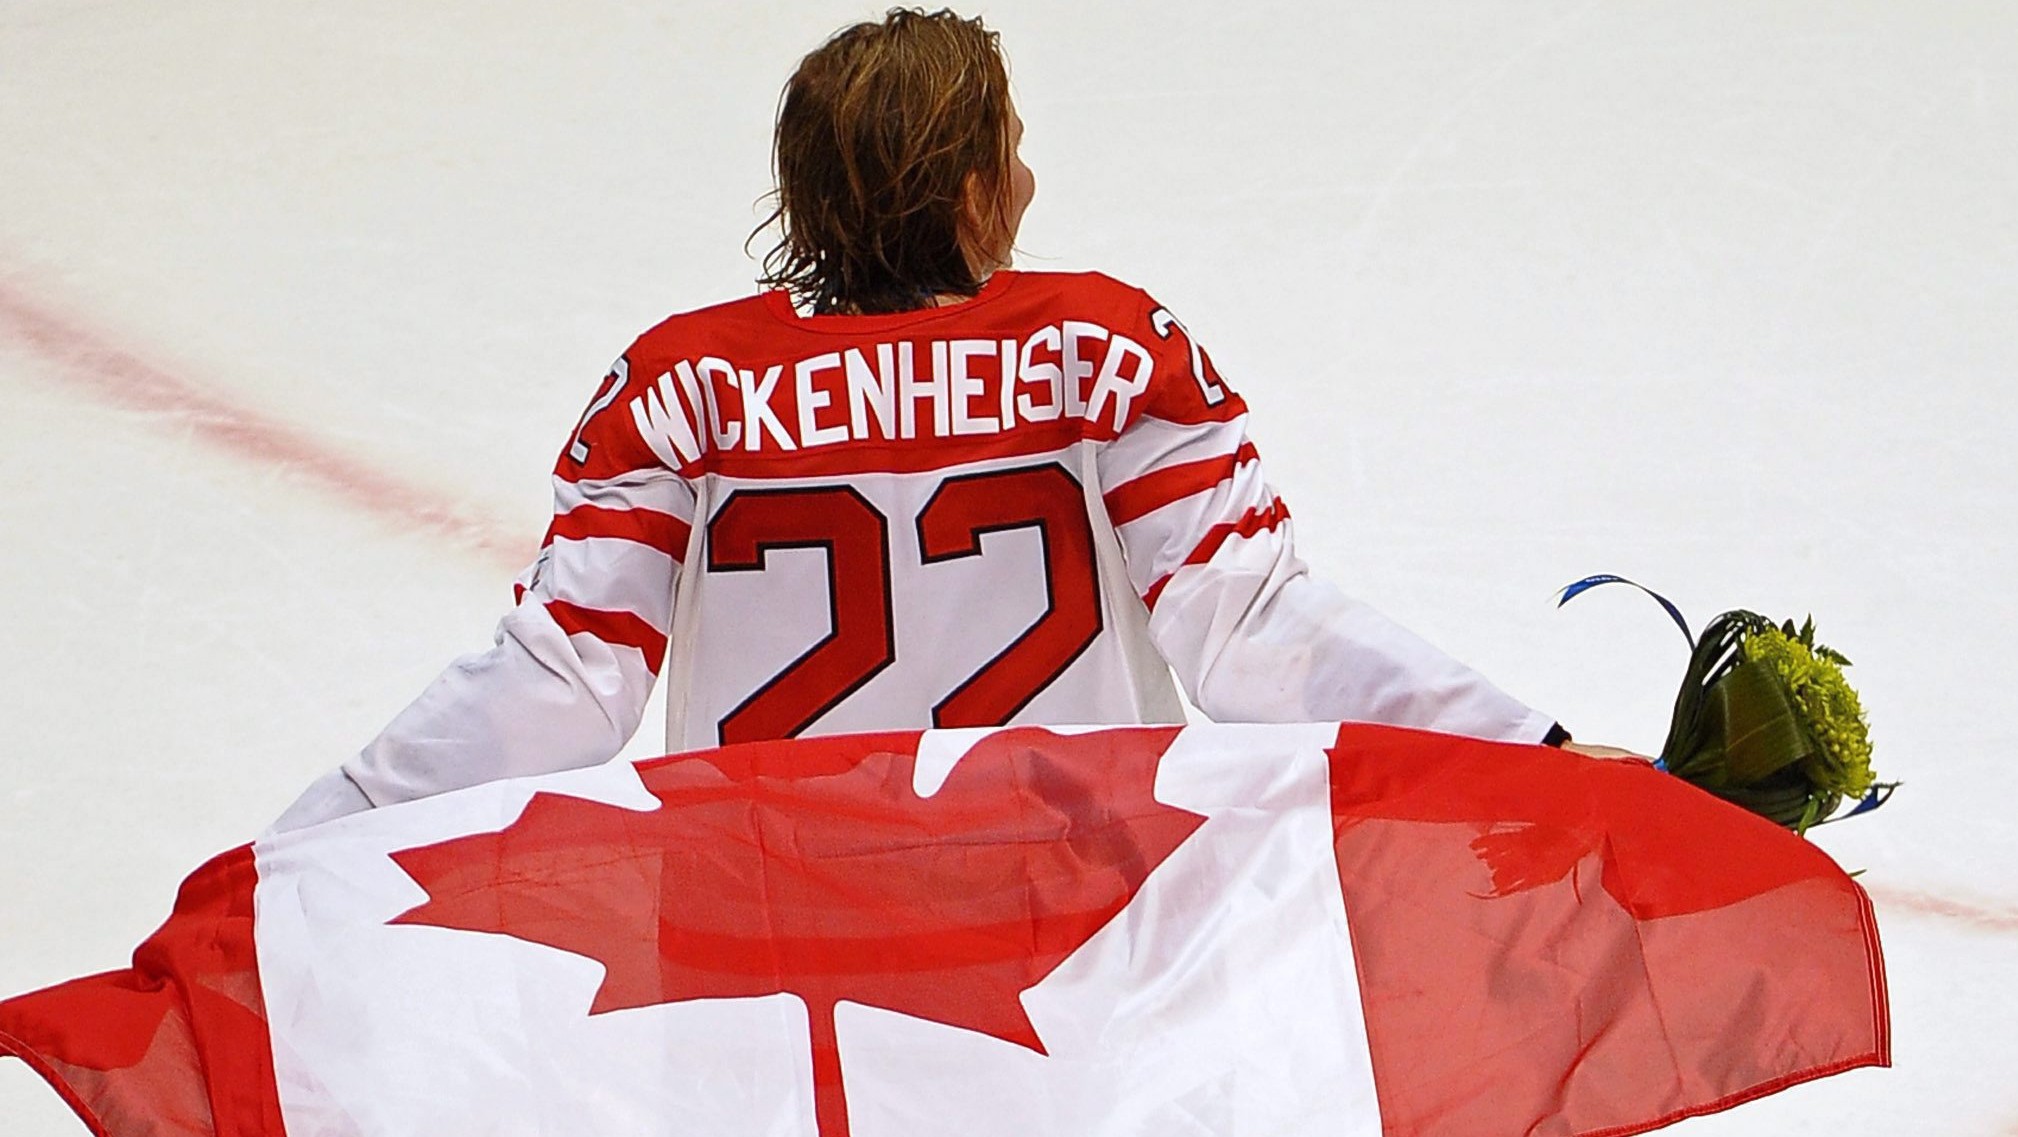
(878,133)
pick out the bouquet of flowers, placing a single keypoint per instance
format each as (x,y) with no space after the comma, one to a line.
(1765,718)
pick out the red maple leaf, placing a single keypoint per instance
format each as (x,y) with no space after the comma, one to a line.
(814,868)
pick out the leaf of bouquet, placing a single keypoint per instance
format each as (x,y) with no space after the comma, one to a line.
(1750,710)
(1786,799)
(1694,747)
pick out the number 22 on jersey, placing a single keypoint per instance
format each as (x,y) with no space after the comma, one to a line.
(856,539)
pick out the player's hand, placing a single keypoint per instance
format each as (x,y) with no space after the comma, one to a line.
(1602,751)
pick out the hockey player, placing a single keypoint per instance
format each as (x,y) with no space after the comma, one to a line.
(908,487)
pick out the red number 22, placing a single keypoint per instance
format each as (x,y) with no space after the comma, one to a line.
(862,642)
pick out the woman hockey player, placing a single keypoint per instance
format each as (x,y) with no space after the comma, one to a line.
(908,487)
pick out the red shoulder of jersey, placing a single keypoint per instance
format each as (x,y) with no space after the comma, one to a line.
(1186,387)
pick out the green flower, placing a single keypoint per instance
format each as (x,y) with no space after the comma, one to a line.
(1824,702)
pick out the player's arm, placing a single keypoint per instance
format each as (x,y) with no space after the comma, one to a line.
(565,681)
(1250,633)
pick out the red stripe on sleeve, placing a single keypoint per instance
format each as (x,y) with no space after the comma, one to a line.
(626,629)
(1250,523)
(661,531)
(1154,490)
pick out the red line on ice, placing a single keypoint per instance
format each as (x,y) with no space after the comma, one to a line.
(1978,916)
(92,364)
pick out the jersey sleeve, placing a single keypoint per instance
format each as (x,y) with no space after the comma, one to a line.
(566,678)
(1251,634)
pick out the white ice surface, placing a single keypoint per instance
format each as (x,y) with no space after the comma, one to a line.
(1718,294)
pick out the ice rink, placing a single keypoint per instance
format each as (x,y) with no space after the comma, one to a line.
(299,301)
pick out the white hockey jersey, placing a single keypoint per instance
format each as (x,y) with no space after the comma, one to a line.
(1026,508)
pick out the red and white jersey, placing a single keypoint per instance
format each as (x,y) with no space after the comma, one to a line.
(1026,508)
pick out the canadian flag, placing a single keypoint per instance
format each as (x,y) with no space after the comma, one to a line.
(1306,929)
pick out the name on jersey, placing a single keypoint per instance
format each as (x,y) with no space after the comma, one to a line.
(892,391)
